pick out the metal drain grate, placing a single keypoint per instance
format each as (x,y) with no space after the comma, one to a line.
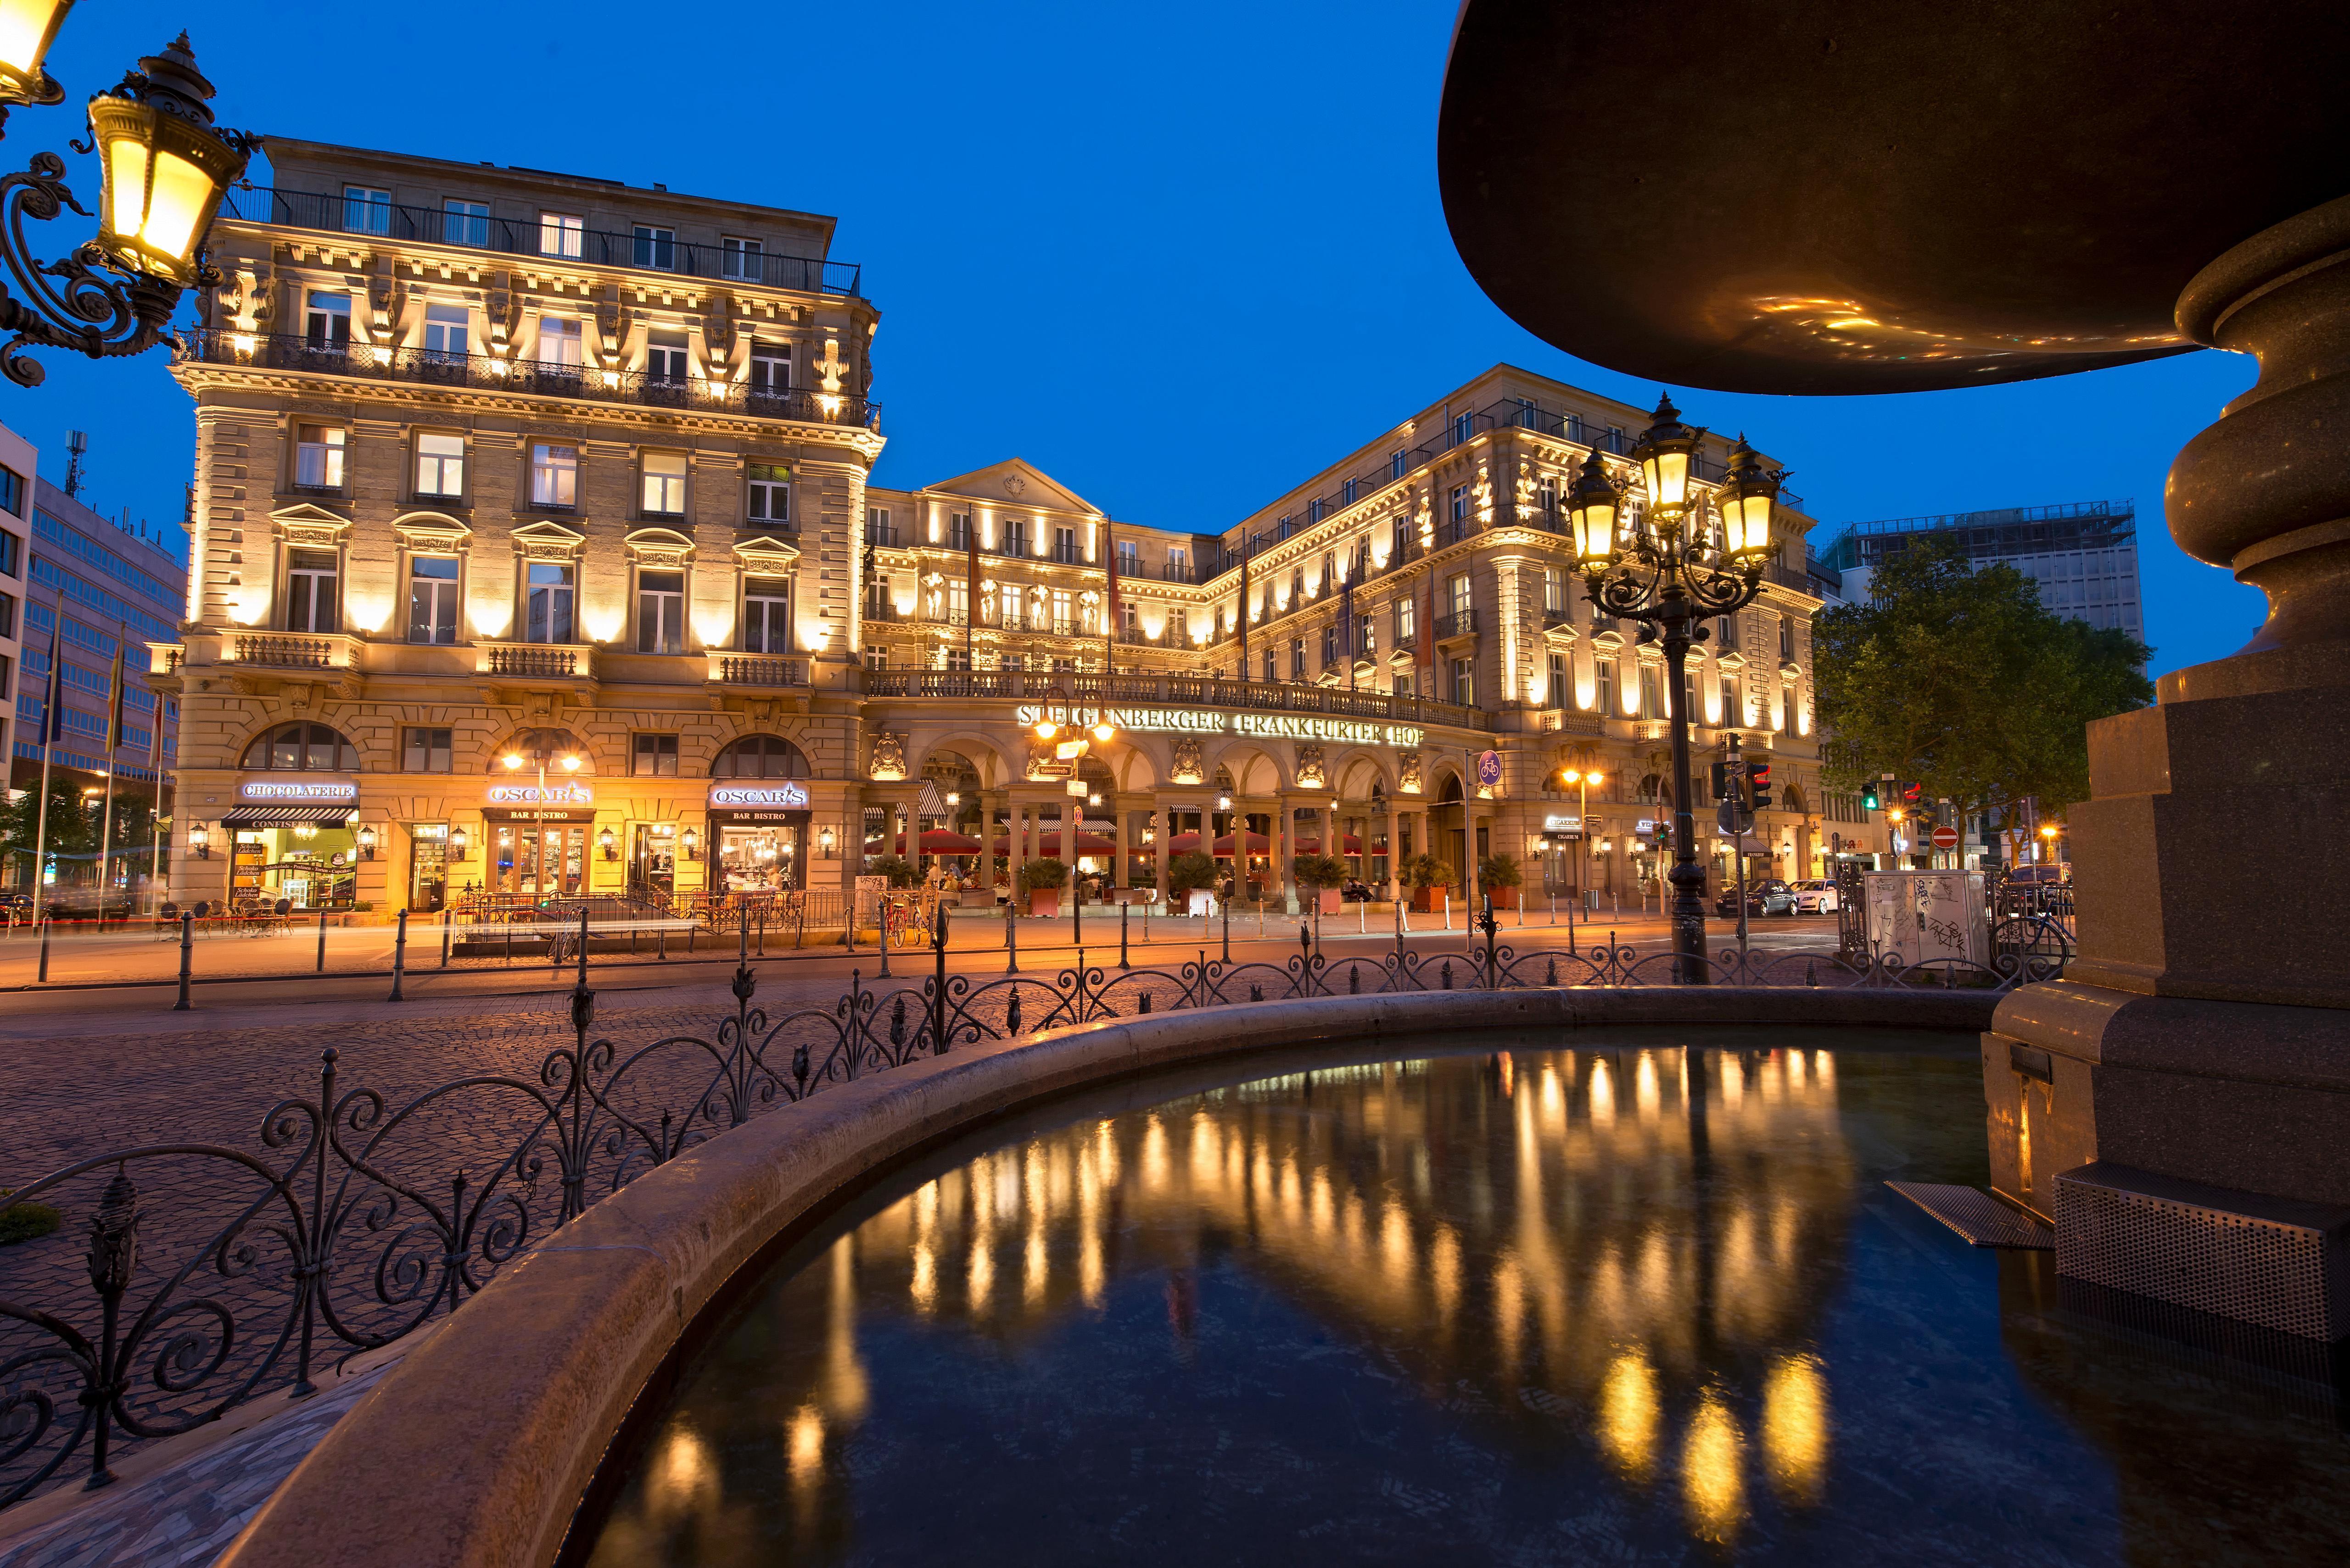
(1975,1214)
(2241,1255)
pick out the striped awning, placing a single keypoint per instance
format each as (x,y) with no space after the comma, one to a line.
(286,816)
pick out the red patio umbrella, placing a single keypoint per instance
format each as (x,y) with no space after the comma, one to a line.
(1354,845)
(936,841)
(1183,844)
(1258,844)
(1049,843)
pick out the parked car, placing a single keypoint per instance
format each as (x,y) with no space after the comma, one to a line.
(1771,896)
(1815,899)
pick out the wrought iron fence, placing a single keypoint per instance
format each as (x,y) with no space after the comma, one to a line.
(209,1275)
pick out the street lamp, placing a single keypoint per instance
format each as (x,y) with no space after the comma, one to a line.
(1583,779)
(569,763)
(1671,571)
(163,168)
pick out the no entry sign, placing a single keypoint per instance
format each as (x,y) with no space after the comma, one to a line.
(1946,838)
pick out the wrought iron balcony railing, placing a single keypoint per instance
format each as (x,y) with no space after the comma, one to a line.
(1459,623)
(434,367)
(533,237)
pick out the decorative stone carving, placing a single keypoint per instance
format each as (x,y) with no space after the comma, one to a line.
(1408,773)
(831,364)
(1041,760)
(889,758)
(1310,766)
(1187,768)
(1014,484)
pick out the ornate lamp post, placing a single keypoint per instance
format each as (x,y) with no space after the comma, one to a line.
(1670,568)
(163,167)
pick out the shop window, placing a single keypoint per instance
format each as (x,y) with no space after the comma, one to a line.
(311,597)
(301,748)
(548,608)
(760,757)
(654,756)
(766,615)
(432,600)
(661,612)
(424,751)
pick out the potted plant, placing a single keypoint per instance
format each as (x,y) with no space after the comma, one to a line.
(1191,878)
(1428,877)
(1043,880)
(1321,876)
(1498,878)
(896,868)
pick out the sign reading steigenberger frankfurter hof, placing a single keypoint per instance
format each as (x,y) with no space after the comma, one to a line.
(783,796)
(299,792)
(1214,722)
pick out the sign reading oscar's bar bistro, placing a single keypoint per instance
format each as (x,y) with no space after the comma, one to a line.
(1212,721)
(566,791)
(299,792)
(783,796)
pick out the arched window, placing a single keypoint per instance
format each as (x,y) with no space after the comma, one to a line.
(533,745)
(314,748)
(760,757)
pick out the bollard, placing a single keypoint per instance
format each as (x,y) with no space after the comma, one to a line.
(1227,904)
(322,941)
(664,944)
(1122,909)
(885,937)
(46,921)
(763,930)
(448,927)
(583,947)
(1011,941)
(1447,908)
(400,957)
(187,957)
(1363,918)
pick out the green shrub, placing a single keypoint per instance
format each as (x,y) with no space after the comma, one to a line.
(25,1221)
(1037,875)
(1192,870)
(1318,871)
(1499,871)
(1427,871)
(896,868)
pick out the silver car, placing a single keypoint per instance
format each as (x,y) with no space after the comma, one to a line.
(1815,898)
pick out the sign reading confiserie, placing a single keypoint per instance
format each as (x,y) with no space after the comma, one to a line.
(300,792)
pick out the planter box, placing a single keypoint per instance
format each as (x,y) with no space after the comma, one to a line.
(1428,900)
(1330,901)
(1200,901)
(1503,897)
(1044,903)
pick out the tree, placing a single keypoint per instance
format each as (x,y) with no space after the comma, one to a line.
(1499,871)
(73,827)
(896,868)
(1957,679)
(1190,871)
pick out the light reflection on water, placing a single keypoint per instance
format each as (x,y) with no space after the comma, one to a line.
(1571,1306)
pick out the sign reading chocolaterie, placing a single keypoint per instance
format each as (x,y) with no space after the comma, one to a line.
(299,792)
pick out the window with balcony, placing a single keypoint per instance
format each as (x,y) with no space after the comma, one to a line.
(1459,509)
(1405,613)
(1016,536)
(1330,645)
(554,475)
(318,456)
(561,235)
(447,332)
(549,593)
(1064,621)
(1725,633)
(1558,680)
(877,529)
(740,259)
(439,465)
(425,751)
(432,600)
(328,322)
(653,757)
(958,603)
(1463,426)
(1649,708)
(1457,592)
(1553,591)
(464,222)
(1129,559)
(1464,682)
(559,341)
(656,248)
(1403,683)
(877,659)
(366,210)
(770,494)
(766,615)
(1398,464)
(959,534)
(1602,688)
(1065,547)
(771,369)
(1297,658)
(1272,673)
(313,602)
(1367,637)
(665,357)
(661,612)
(664,484)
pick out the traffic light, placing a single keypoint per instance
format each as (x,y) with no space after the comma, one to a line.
(1758,786)
(1913,796)
(1722,781)
(1869,800)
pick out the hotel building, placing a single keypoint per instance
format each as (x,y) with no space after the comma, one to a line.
(497,466)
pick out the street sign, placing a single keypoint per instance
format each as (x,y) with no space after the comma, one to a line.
(1946,838)
(1488,769)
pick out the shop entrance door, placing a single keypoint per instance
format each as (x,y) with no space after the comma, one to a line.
(653,859)
(548,859)
(429,877)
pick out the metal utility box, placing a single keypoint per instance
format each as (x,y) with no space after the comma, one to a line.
(1928,916)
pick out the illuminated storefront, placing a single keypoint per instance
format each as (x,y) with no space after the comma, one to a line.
(294,841)
(539,836)
(759,835)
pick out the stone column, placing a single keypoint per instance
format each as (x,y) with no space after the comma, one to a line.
(1125,818)
(1278,851)
(1164,829)
(1015,828)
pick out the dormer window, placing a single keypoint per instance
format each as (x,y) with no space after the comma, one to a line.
(656,248)
(561,235)
(740,259)
(366,210)
(464,222)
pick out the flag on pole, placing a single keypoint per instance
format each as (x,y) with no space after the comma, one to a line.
(53,701)
(114,705)
(155,738)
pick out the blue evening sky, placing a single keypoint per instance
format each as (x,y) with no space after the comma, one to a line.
(1179,259)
